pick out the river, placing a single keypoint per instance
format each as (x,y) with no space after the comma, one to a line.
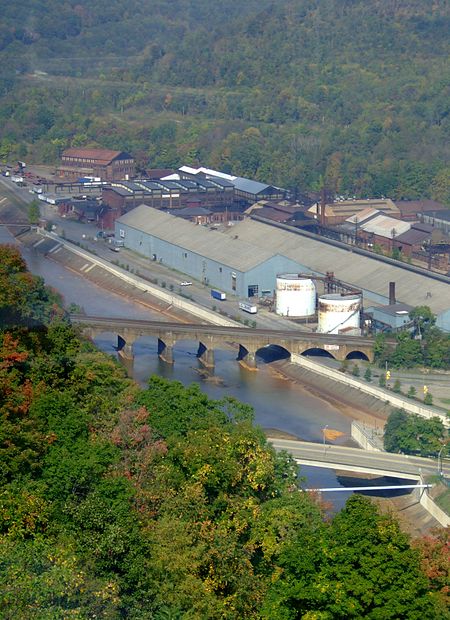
(278,403)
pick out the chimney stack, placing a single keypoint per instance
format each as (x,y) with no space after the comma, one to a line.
(391,293)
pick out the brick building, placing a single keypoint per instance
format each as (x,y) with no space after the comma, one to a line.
(121,197)
(100,163)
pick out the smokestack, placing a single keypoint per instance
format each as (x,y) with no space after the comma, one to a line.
(323,202)
(391,293)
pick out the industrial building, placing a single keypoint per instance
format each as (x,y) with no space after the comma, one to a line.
(163,194)
(438,219)
(246,191)
(369,274)
(391,317)
(337,212)
(221,261)
(107,165)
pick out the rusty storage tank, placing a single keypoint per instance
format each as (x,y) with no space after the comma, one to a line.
(338,313)
(295,296)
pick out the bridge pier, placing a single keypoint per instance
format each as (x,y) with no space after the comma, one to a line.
(247,358)
(206,356)
(125,349)
(165,351)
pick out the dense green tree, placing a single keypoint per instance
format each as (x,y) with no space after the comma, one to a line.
(408,352)
(360,566)
(44,578)
(412,434)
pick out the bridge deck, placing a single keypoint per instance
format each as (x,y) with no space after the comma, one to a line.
(114,324)
(357,459)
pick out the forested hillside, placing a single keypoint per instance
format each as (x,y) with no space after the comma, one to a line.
(290,91)
(122,503)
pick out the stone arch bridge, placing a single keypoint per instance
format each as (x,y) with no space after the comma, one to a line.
(211,337)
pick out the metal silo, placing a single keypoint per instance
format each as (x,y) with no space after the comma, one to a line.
(295,296)
(338,312)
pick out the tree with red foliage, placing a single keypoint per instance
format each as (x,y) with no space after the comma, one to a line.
(435,550)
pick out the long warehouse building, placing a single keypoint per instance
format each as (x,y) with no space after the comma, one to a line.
(246,259)
(371,275)
(224,262)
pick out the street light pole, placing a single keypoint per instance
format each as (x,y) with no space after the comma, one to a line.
(323,432)
(439,461)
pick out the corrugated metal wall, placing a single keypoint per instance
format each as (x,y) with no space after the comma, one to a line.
(204,269)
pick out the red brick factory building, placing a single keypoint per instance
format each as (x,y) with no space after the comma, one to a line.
(107,165)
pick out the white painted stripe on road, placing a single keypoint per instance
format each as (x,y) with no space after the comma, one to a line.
(85,266)
(38,243)
(2,200)
(89,268)
(55,248)
(58,249)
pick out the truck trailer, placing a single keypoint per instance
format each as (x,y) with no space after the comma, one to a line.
(218,295)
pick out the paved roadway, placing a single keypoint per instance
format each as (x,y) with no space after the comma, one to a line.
(85,234)
(341,457)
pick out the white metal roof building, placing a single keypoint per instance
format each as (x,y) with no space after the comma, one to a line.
(366,273)
(385,226)
(223,261)
(244,189)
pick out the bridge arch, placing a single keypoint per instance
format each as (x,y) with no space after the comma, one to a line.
(317,352)
(357,355)
(273,352)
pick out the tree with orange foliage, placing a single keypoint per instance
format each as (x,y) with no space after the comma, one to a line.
(435,550)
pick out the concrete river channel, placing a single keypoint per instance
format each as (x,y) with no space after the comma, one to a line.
(279,403)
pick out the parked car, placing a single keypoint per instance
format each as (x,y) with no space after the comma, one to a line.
(185,283)
(114,248)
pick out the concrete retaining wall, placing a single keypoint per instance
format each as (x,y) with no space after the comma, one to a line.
(363,437)
(170,298)
(428,503)
(393,399)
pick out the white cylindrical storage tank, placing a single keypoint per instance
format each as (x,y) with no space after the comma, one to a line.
(296,296)
(338,312)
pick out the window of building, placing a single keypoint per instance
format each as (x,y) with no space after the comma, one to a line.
(233,281)
(220,269)
(253,290)
(121,233)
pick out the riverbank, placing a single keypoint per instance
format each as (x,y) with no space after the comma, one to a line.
(350,402)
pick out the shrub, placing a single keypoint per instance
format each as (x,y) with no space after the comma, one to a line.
(397,387)
(411,392)
(344,366)
(355,370)
(428,399)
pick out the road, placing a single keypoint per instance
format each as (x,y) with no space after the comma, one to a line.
(374,462)
(84,234)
